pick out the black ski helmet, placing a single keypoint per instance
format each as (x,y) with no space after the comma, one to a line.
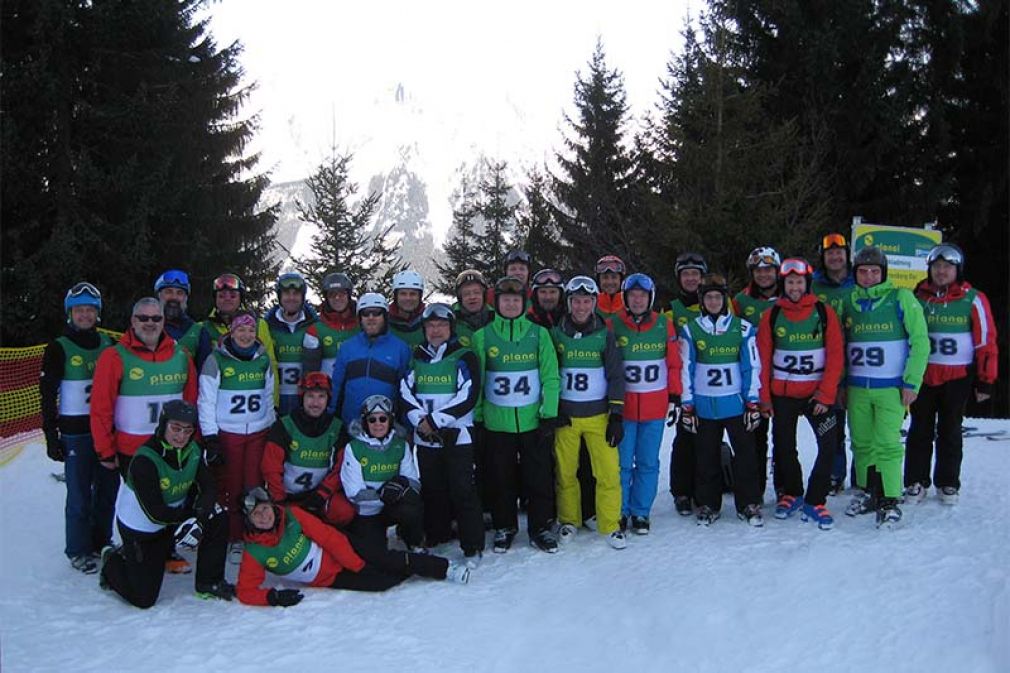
(713,282)
(871,256)
(337,281)
(176,410)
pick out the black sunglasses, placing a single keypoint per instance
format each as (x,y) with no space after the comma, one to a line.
(149,318)
(372,313)
(377,419)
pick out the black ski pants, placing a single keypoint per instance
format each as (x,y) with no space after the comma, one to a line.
(937,412)
(708,463)
(533,454)
(682,464)
(788,473)
(449,492)
(761,452)
(136,571)
(384,569)
(407,514)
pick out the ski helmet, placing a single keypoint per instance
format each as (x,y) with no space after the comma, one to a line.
(256,495)
(334,282)
(172,278)
(228,281)
(520,256)
(438,311)
(763,257)
(581,285)
(689,260)
(713,282)
(949,253)
(180,411)
(408,279)
(292,280)
(871,256)
(547,278)
(469,276)
(610,264)
(508,285)
(372,300)
(315,381)
(82,294)
(641,282)
(798,266)
(375,404)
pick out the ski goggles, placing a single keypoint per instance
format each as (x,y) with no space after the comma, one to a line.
(518,256)
(947,252)
(546,278)
(242,319)
(84,288)
(582,285)
(833,241)
(795,265)
(610,264)
(758,260)
(690,260)
(376,403)
(228,281)
(639,281)
(437,312)
(291,281)
(172,278)
(315,381)
(509,285)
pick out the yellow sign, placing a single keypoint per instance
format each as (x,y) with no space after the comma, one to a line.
(906,249)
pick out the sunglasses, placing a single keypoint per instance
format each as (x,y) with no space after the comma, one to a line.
(372,313)
(377,419)
(149,318)
(833,241)
(228,281)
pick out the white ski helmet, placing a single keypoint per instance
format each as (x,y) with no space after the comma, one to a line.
(762,257)
(372,300)
(408,279)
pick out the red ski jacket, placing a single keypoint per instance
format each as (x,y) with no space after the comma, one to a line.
(338,555)
(983,333)
(105,390)
(826,388)
(652,406)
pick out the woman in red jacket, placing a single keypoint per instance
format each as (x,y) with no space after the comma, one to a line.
(291,543)
(802,356)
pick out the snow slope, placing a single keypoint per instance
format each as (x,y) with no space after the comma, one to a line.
(933,595)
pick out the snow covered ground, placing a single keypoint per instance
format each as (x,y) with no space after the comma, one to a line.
(932,595)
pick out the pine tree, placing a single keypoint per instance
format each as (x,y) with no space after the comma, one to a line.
(461,245)
(536,226)
(497,208)
(124,155)
(596,187)
(343,242)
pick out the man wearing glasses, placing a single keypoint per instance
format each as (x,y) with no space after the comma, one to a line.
(372,362)
(133,381)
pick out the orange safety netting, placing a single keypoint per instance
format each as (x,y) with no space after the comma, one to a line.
(20,401)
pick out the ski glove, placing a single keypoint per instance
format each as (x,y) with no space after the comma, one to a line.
(212,455)
(615,429)
(205,517)
(549,425)
(54,447)
(393,490)
(284,598)
(313,500)
(688,421)
(672,413)
(751,418)
(188,534)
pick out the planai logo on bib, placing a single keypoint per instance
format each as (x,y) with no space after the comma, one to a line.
(327,341)
(229,371)
(272,562)
(76,360)
(681,321)
(700,344)
(164,483)
(780,331)
(294,444)
(493,351)
(464,341)
(749,310)
(363,460)
(136,374)
(622,341)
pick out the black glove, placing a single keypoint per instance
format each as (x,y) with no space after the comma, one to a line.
(393,490)
(188,534)
(284,598)
(54,447)
(615,429)
(673,411)
(313,500)
(212,455)
(548,426)
(751,418)
(205,516)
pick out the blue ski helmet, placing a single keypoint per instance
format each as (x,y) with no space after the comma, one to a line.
(82,294)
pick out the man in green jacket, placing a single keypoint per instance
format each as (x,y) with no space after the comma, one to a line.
(519,410)
(886,351)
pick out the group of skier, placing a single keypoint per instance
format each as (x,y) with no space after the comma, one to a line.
(290,443)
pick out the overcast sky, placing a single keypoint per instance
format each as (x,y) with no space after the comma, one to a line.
(320,65)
